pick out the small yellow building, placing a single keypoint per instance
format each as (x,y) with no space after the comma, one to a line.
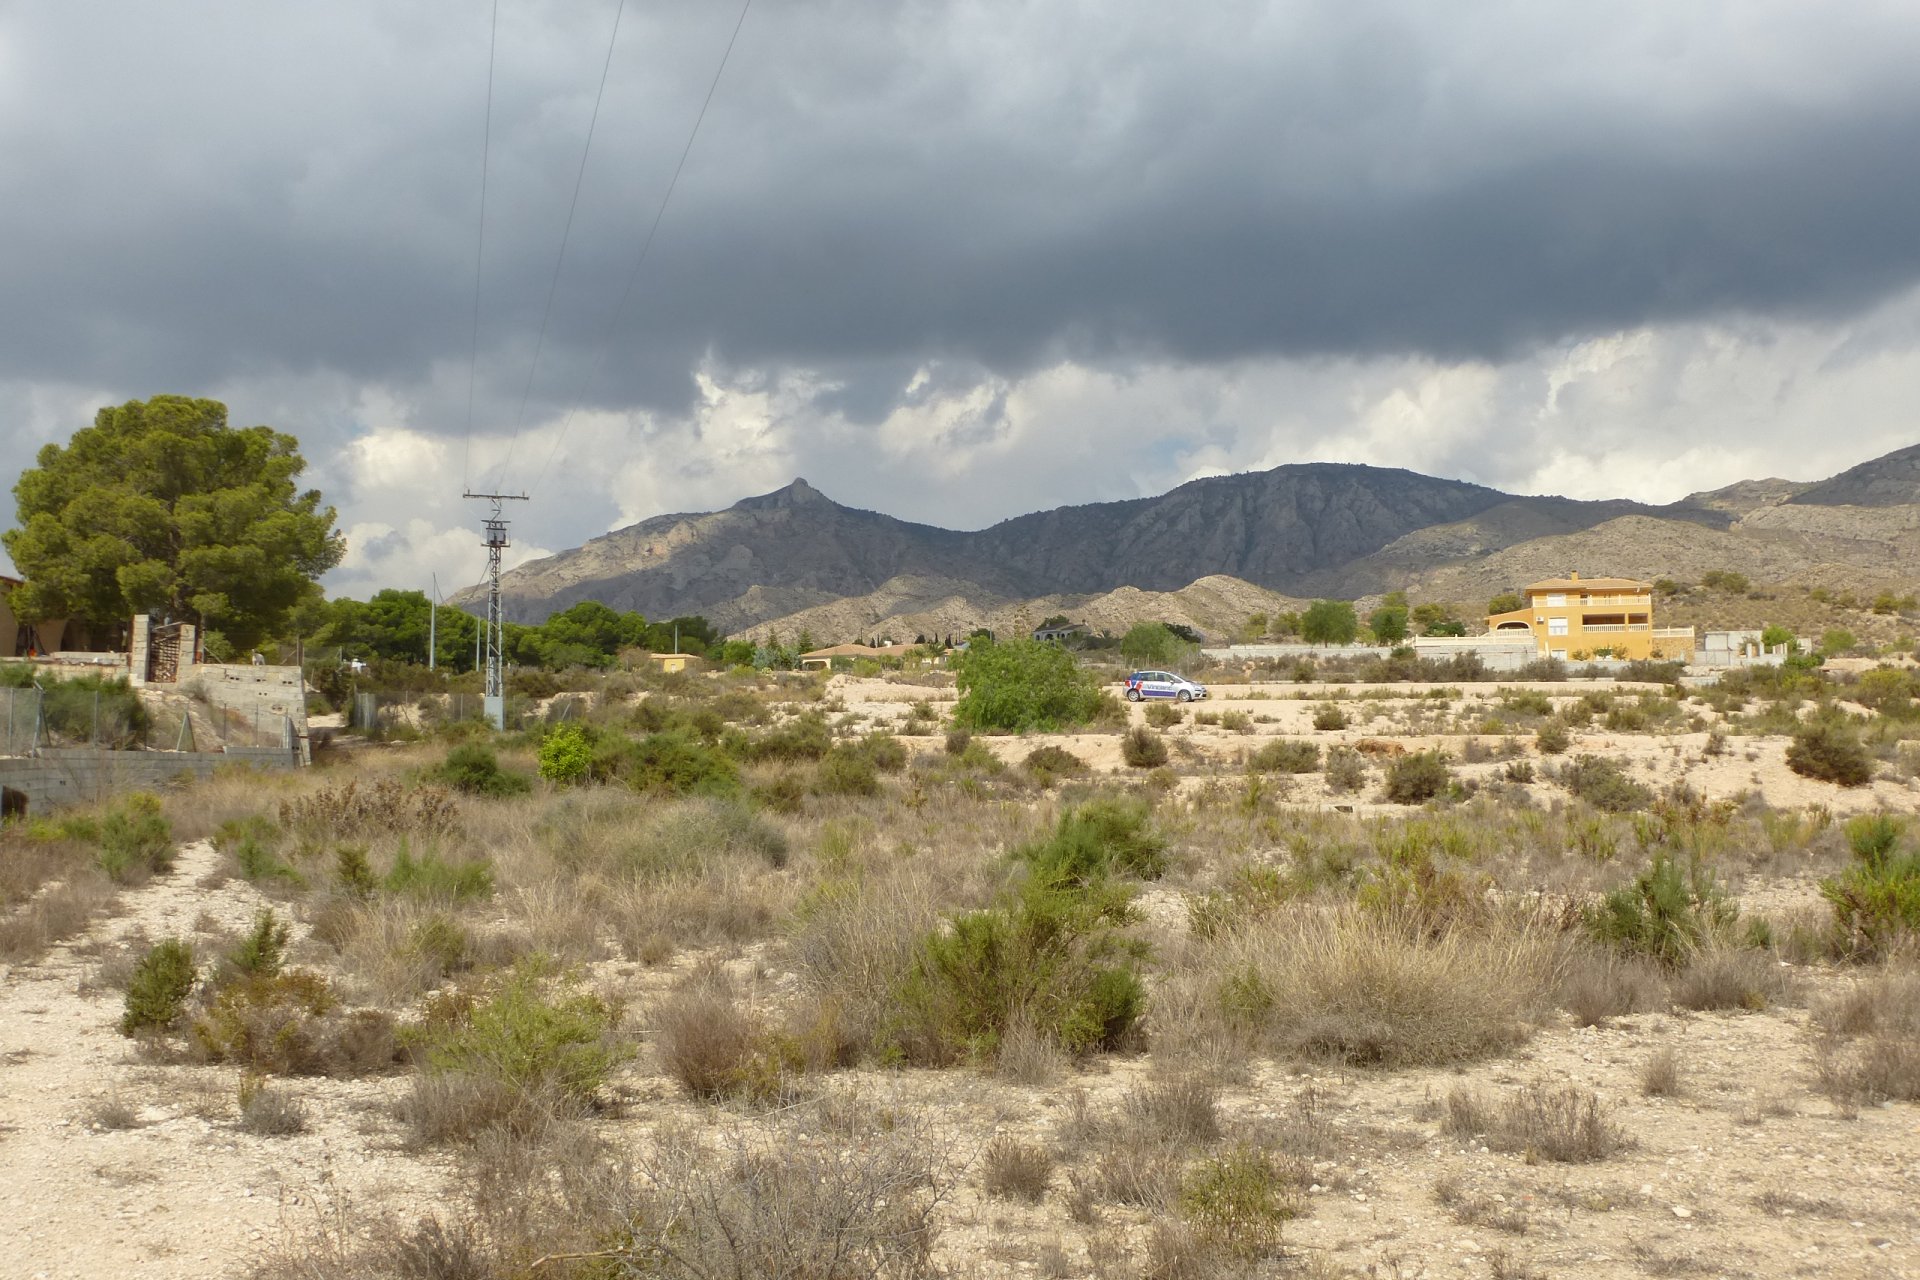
(1575,618)
(671,662)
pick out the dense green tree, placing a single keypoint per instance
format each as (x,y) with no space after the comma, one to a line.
(161,507)
(395,625)
(1329,622)
(1506,602)
(1388,624)
(1154,644)
(1436,619)
(1022,685)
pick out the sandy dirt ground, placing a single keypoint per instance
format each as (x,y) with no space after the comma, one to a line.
(186,1193)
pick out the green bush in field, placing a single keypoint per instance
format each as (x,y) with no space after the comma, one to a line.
(135,838)
(847,771)
(678,763)
(1239,1201)
(1666,914)
(1603,784)
(1830,752)
(472,768)
(1284,756)
(1165,715)
(535,1030)
(431,877)
(885,751)
(1143,748)
(157,994)
(1552,738)
(1110,836)
(260,953)
(1418,778)
(566,755)
(1052,958)
(1329,716)
(1876,900)
(1022,686)
(1049,764)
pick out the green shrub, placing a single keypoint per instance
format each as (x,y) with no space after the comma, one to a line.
(1346,769)
(566,755)
(259,953)
(534,1031)
(157,993)
(1552,738)
(1049,764)
(803,737)
(353,871)
(472,768)
(1418,778)
(1876,900)
(1830,752)
(1328,715)
(135,838)
(678,763)
(1164,715)
(432,878)
(93,710)
(1103,837)
(1021,686)
(1666,914)
(1239,1199)
(847,771)
(1604,785)
(885,751)
(1285,757)
(1052,959)
(1142,748)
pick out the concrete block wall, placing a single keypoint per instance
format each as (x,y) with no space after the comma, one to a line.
(85,775)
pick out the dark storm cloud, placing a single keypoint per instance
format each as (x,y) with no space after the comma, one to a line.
(200,191)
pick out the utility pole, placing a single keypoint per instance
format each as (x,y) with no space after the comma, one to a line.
(494,703)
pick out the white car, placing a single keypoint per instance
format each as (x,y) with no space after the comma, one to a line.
(1163,684)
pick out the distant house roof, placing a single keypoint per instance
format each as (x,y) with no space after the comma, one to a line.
(862,651)
(1055,633)
(1590,584)
(5,581)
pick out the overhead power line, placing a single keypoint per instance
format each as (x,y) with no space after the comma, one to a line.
(646,245)
(566,235)
(480,247)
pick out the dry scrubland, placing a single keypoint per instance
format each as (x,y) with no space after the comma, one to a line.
(1476,980)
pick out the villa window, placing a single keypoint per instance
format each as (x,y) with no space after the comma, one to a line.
(1556,626)
(1557,600)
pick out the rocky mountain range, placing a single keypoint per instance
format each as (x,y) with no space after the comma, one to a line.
(1213,550)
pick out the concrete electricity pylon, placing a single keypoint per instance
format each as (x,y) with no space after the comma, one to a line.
(495,701)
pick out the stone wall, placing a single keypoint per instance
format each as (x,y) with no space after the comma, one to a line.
(84,775)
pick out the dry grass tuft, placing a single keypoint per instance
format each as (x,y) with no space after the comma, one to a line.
(270,1112)
(1719,977)
(1015,1170)
(1597,984)
(1867,1040)
(1566,1125)
(1660,1074)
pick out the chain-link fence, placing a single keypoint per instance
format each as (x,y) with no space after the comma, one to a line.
(78,714)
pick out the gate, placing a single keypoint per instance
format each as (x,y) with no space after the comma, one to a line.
(163,654)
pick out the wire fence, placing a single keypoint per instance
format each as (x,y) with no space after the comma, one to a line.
(63,716)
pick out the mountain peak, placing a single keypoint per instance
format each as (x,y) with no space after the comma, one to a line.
(794,494)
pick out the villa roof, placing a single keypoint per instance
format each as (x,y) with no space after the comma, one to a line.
(861,651)
(1590,584)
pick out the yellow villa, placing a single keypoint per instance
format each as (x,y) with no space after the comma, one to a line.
(1577,618)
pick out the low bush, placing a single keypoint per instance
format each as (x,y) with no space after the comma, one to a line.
(1876,899)
(533,1030)
(261,951)
(1015,1170)
(1053,956)
(269,1112)
(1603,784)
(1109,836)
(1868,1039)
(1667,913)
(566,754)
(1722,977)
(1346,770)
(1285,756)
(431,878)
(157,994)
(1238,1201)
(1142,748)
(293,1024)
(678,763)
(1328,716)
(717,1050)
(1566,1125)
(472,769)
(888,753)
(1049,764)
(1552,738)
(847,771)
(1418,778)
(135,839)
(1165,715)
(1830,752)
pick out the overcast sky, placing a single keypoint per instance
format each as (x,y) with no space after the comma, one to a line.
(963,259)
